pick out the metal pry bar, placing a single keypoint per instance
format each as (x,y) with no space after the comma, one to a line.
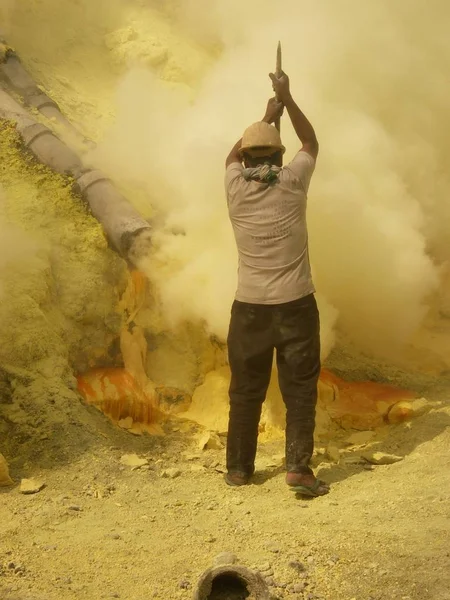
(278,72)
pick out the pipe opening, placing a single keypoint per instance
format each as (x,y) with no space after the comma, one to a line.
(228,586)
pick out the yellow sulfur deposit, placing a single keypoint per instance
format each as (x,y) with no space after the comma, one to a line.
(59,286)
(53,269)
(341,404)
(5,479)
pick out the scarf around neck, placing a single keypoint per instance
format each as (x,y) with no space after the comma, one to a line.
(265,173)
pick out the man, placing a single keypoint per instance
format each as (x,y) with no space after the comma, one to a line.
(275,307)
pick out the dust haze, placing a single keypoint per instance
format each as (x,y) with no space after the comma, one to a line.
(372,78)
(19,253)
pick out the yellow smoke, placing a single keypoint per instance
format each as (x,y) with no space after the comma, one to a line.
(371,76)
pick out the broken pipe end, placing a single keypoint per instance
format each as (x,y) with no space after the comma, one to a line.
(232,576)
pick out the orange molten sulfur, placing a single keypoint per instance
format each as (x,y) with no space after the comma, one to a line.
(366,404)
(115,392)
(358,405)
(364,391)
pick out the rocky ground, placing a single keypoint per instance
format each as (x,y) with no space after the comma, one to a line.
(101,528)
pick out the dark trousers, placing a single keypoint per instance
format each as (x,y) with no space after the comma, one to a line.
(255,331)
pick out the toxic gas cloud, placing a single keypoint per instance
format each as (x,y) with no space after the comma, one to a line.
(372,78)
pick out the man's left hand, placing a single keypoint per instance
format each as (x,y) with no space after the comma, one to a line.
(274,111)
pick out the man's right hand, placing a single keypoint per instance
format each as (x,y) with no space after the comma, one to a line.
(281,86)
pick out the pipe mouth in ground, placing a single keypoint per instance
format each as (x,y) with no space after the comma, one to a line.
(228,586)
(231,582)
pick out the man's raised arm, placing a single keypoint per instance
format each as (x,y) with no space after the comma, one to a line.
(235,154)
(302,126)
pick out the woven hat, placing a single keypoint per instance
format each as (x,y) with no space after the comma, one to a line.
(261,139)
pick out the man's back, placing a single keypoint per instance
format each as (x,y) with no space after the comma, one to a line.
(269,223)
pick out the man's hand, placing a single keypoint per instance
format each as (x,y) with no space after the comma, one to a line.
(274,111)
(281,87)
(302,126)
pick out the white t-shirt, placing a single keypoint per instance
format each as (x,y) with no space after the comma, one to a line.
(269,223)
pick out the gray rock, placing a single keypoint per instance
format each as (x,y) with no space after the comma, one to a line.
(225,558)
(171,473)
(381,458)
(297,565)
(272,547)
(31,486)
